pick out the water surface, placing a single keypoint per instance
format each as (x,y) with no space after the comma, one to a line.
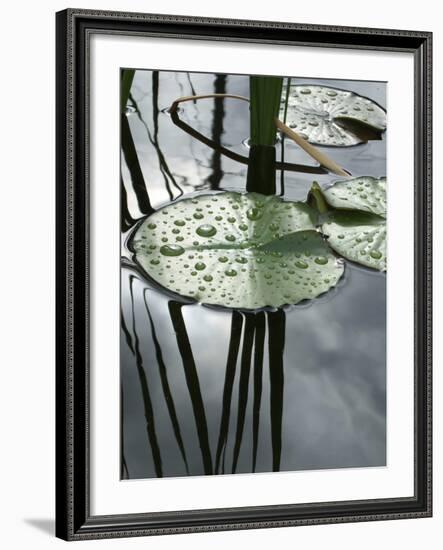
(212,391)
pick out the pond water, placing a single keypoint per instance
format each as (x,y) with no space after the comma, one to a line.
(206,390)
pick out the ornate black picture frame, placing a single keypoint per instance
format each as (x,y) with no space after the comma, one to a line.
(74,30)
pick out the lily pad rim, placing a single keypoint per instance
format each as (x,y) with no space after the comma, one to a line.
(361,143)
(335,212)
(357,265)
(188,300)
(336,180)
(210,193)
(343,90)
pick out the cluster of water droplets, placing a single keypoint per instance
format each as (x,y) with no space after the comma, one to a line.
(358,230)
(365,193)
(236,250)
(313,111)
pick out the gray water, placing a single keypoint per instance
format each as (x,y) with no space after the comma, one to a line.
(318,398)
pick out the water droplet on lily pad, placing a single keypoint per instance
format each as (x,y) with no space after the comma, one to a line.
(254,214)
(206,230)
(171,250)
(376,254)
(241,260)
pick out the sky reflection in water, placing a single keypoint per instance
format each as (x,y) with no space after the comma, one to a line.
(188,408)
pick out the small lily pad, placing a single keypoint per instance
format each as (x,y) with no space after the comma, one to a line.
(356,229)
(365,193)
(333,117)
(237,250)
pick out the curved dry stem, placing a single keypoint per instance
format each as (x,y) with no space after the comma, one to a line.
(323,159)
(175,104)
(236,156)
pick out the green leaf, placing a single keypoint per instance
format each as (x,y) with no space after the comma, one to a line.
(356,229)
(333,117)
(237,250)
(316,198)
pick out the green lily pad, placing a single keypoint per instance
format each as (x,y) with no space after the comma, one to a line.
(356,229)
(365,193)
(333,117)
(237,250)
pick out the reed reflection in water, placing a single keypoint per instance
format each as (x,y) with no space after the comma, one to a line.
(210,391)
(244,364)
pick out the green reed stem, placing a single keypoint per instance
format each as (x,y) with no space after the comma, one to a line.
(265,96)
(126,76)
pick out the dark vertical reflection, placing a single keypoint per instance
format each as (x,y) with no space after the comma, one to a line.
(131,158)
(276,346)
(184,346)
(243,385)
(126,332)
(163,165)
(231,365)
(259,344)
(165,386)
(191,85)
(126,220)
(124,472)
(282,170)
(164,168)
(217,131)
(147,402)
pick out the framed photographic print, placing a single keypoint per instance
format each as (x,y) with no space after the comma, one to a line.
(243,274)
